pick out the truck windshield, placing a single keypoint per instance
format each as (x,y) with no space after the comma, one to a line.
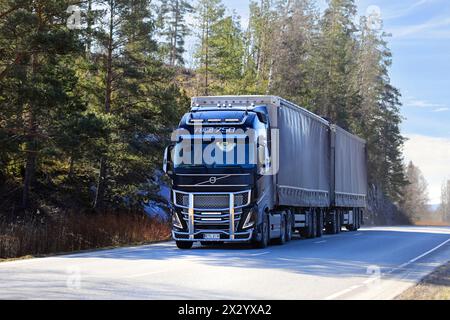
(214,153)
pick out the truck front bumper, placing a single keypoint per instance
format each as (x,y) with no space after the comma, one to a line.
(244,236)
(218,213)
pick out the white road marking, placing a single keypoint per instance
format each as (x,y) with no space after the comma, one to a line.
(259,253)
(345,291)
(340,293)
(423,254)
(321,241)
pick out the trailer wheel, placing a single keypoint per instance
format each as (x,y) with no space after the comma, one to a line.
(338,223)
(265,237)
(184,244)
(289,225)
(319,232)
(282,239)
(354,225)
(312,228)
(358,219)
(331,226)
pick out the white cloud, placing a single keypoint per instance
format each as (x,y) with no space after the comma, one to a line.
(399,11)
(441,109)
(418,103)
(432,156)
(427,29)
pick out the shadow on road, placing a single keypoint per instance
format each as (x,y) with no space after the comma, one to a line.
(346,254)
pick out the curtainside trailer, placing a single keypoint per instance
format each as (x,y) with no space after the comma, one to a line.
(259,168)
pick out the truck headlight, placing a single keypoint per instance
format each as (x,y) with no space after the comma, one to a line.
(176,221)
(250,219)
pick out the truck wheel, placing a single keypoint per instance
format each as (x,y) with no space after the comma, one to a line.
(184,244)
(354,225)
(319,232)
(312,228)
(358,219)
(265,237)
(289,219)
(331,227)
(282,239)
(338,223)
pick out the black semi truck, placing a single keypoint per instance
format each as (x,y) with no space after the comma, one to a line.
(259,168)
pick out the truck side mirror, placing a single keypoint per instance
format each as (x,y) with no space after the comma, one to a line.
(167,162)
(262,117)
(261,159)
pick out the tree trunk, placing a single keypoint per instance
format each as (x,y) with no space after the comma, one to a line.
(30,145)
(102,177)
(30,167)
(173,55)
(99,202)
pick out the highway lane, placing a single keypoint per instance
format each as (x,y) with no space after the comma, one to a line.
(372,263)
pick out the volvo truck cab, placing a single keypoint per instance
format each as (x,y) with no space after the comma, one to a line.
(217,164)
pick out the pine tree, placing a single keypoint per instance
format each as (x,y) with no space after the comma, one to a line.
(174,29)
(333,64)
(36,83)
(209,13)
(376,115)
(139,99)
(296,32)
(226,49)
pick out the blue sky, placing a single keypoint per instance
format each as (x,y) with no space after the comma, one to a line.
(420,44)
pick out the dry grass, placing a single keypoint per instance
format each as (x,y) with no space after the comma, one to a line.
(431,223)
(435,286)
(74,232)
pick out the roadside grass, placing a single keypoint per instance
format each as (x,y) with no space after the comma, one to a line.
(76,232)
(431,223)
(435,286)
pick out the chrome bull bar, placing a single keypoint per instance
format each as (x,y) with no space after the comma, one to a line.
(231,233)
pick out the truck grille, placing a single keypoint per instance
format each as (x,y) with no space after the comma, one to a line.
(213,201)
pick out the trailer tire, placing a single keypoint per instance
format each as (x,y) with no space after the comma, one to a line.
(184,244)
(289,225)
(319,231)
(313,225)
(338,223)
(354,225)
(283,225)
(331,228)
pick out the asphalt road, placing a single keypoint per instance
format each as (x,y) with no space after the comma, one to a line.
(372,263)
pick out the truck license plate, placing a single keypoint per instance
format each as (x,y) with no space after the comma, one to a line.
(211,236)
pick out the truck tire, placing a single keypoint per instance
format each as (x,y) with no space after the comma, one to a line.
(313,225)
(358,219)
(319,232)
(184,244)
(282,239)
(289,225)
(331,227)
(265,237)
(338,223)
(354,225)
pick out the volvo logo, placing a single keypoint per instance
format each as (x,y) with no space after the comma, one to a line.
(212,180)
